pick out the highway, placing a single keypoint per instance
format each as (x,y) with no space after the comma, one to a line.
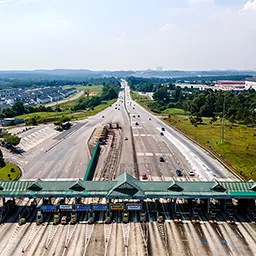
(65,155)
(49,154)
(177,151)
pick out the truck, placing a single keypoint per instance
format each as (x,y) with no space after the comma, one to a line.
(142,216)
(125,217)
(56,219)
(73,219)
(90,218)
(39,218)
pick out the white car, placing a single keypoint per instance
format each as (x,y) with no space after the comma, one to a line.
(191,173)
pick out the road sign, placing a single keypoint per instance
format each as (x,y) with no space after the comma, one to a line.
(116,207)
(133,207)
(83,207)
(49,208)
(66,207)
(99,207)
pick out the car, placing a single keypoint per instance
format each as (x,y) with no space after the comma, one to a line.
(119,109)
(102,116)
(191,173)
(138,115)
(149,118)
(134,116)
(136,123)
(179,172)
(161,133)
(163,129)
(125,138)
(64,220)
(115,107)
(144,176)
(133,107)
(161,159)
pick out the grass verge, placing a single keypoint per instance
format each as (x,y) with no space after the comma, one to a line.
(93,90)
(238,150)
(50,117)
(10,169)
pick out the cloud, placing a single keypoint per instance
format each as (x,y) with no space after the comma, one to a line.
(168,27)
(63,22)
(200,1)
(5,3)
(250,5)
(120,38)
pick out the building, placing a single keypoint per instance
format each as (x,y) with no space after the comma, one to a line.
(229,85)
(11,121)
(43,100)
(67,92)
(250,83)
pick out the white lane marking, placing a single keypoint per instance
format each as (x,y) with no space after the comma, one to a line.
(70,163)
(55,171)
(149,154)
(78,170)
(140,154)
(136,134)
(66,171)
(46,164)
(81,163)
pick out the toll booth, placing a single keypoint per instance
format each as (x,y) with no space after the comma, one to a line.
(116,209)
(97,209)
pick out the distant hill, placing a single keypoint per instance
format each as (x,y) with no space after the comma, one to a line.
(83,74)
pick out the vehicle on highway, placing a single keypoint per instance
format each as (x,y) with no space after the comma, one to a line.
(133,107)
(102,116)
(64,220)
(136,123)
(144,176)
(191,173)
(22,221)
(161,133)
(125,138)
(163,129)
(138,115)
(149,118)
(115,107)
(179,172)
(161,159)
(119,109)
(134,116)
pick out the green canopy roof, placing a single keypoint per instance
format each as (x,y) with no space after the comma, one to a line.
(127,187)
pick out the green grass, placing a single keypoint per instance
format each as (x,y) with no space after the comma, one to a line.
(94,89)
(173,111)
(50,117)
(7,170)
(239,148)
(144,101)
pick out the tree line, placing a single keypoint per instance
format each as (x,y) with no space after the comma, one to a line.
(109,92)
(208,103)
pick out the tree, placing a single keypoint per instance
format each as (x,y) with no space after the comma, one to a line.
(18,108)
(161,95)
(2,162)
(12,140)
(193,121)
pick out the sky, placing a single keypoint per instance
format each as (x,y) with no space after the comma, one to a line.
(124,35)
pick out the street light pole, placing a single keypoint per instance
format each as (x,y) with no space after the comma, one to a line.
(223,122)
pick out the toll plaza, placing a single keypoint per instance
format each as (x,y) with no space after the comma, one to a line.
(128,199)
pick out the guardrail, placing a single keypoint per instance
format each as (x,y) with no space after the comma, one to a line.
(93,163)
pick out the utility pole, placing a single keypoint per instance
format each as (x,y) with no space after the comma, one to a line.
(223,121)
